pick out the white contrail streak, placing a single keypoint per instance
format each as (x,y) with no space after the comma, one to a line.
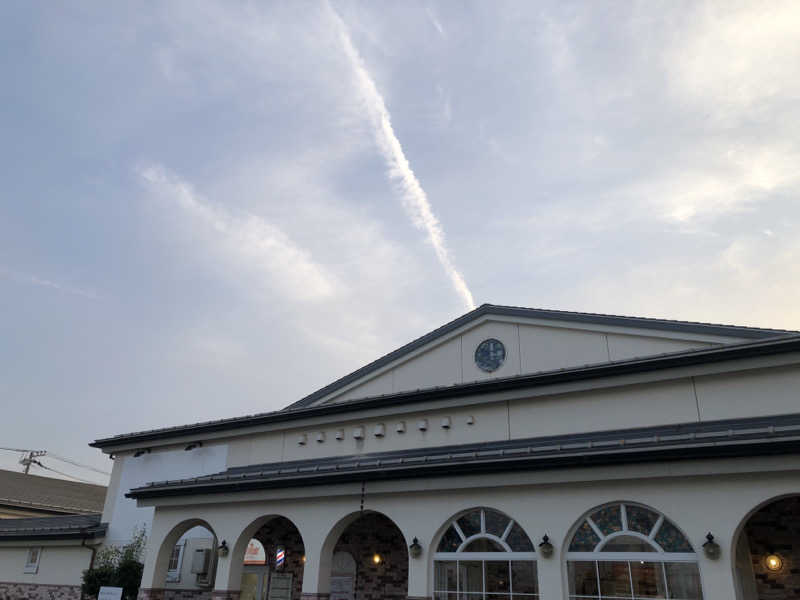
(415,200)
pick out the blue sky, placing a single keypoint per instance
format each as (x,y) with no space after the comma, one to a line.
(212,209)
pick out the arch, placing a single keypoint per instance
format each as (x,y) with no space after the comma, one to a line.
(365,535)
(629,549)
(168,544)
(766,531)
(504,566)
(294,557)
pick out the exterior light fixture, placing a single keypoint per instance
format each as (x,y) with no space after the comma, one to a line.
(139,453)
(223,549)
(711,548)
(303,559)
(773,562)
(193,445)
(377,559)
(546,548)
(415,549)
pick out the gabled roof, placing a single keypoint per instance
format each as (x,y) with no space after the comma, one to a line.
(735,331)
(728,438)
(770,347)
(53,528)
(50,495)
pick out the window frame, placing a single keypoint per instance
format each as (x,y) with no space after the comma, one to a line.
(508,556)
(659,556)
(32,567)
(174,575)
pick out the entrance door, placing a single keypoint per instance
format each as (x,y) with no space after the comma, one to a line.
(254,583)
(343,577)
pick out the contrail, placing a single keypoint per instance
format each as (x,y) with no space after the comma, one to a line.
(415,200)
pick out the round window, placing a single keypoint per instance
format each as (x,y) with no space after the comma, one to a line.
(490,354)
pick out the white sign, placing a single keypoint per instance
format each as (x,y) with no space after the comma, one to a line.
(110,593)
(342,587)
(280,586)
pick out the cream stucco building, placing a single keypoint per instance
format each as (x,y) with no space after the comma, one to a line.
(510,454)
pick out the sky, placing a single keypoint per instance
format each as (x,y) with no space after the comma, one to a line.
(212,209)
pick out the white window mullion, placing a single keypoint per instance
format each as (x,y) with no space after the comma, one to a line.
(508,530)
(483,521)
(597,575)
(624,514)
(459,532)
(656,527)
(596,528)
(630,578)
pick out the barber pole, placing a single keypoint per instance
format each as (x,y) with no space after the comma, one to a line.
(280,556)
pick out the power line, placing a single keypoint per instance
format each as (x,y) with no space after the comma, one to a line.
(36,453)
(37,463)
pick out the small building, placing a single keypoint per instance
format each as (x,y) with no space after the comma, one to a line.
(511,454)
(49,531)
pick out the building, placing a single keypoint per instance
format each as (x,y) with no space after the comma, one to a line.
(43,512)
(510,454)
(25,495)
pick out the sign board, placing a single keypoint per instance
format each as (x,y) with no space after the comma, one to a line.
(109,593)
(255,554)
(342,587)
(280,586)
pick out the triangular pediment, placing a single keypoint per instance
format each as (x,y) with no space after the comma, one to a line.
(499,341)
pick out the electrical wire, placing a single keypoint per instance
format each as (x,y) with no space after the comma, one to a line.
(62,459)
(39,464)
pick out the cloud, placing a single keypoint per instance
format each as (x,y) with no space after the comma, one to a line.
(251,242)
(415,199)
(35,280)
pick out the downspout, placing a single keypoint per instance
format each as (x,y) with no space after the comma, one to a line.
(93,548)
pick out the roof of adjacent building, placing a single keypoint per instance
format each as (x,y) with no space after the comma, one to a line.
(49,495)
(61,527)
(728,438)
(761,347)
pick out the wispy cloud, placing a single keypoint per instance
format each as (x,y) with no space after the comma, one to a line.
(30,279)
(415,199)
(250,241)
(435,22)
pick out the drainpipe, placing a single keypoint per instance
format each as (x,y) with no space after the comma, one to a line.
(93,548)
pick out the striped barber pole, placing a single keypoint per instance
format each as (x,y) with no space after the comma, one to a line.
(280,557)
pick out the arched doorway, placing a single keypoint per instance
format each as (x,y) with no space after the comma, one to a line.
(272,560)
(370,560)
(187,558)
(767,552)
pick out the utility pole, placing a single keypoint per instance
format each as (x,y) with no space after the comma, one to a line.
(30,458)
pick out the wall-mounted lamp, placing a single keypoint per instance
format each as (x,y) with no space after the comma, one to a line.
(193,445)
(304,559)
(711,548)
(139,453)
(377,559)
(545,547)
(223,549)
(773,562)
(415,549)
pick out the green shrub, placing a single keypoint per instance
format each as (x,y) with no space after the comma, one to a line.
(117,566)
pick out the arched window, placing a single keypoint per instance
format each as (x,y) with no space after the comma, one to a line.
(630,551)
(485,555)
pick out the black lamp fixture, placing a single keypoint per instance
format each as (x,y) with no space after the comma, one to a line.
(415,549)
(223,549)
(545,547)
(711,547)
(193,445)
(140,452)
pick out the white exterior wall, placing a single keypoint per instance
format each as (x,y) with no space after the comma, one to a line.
(684,399)
(698,496)
(530,348)
(58,565)
(121,513)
